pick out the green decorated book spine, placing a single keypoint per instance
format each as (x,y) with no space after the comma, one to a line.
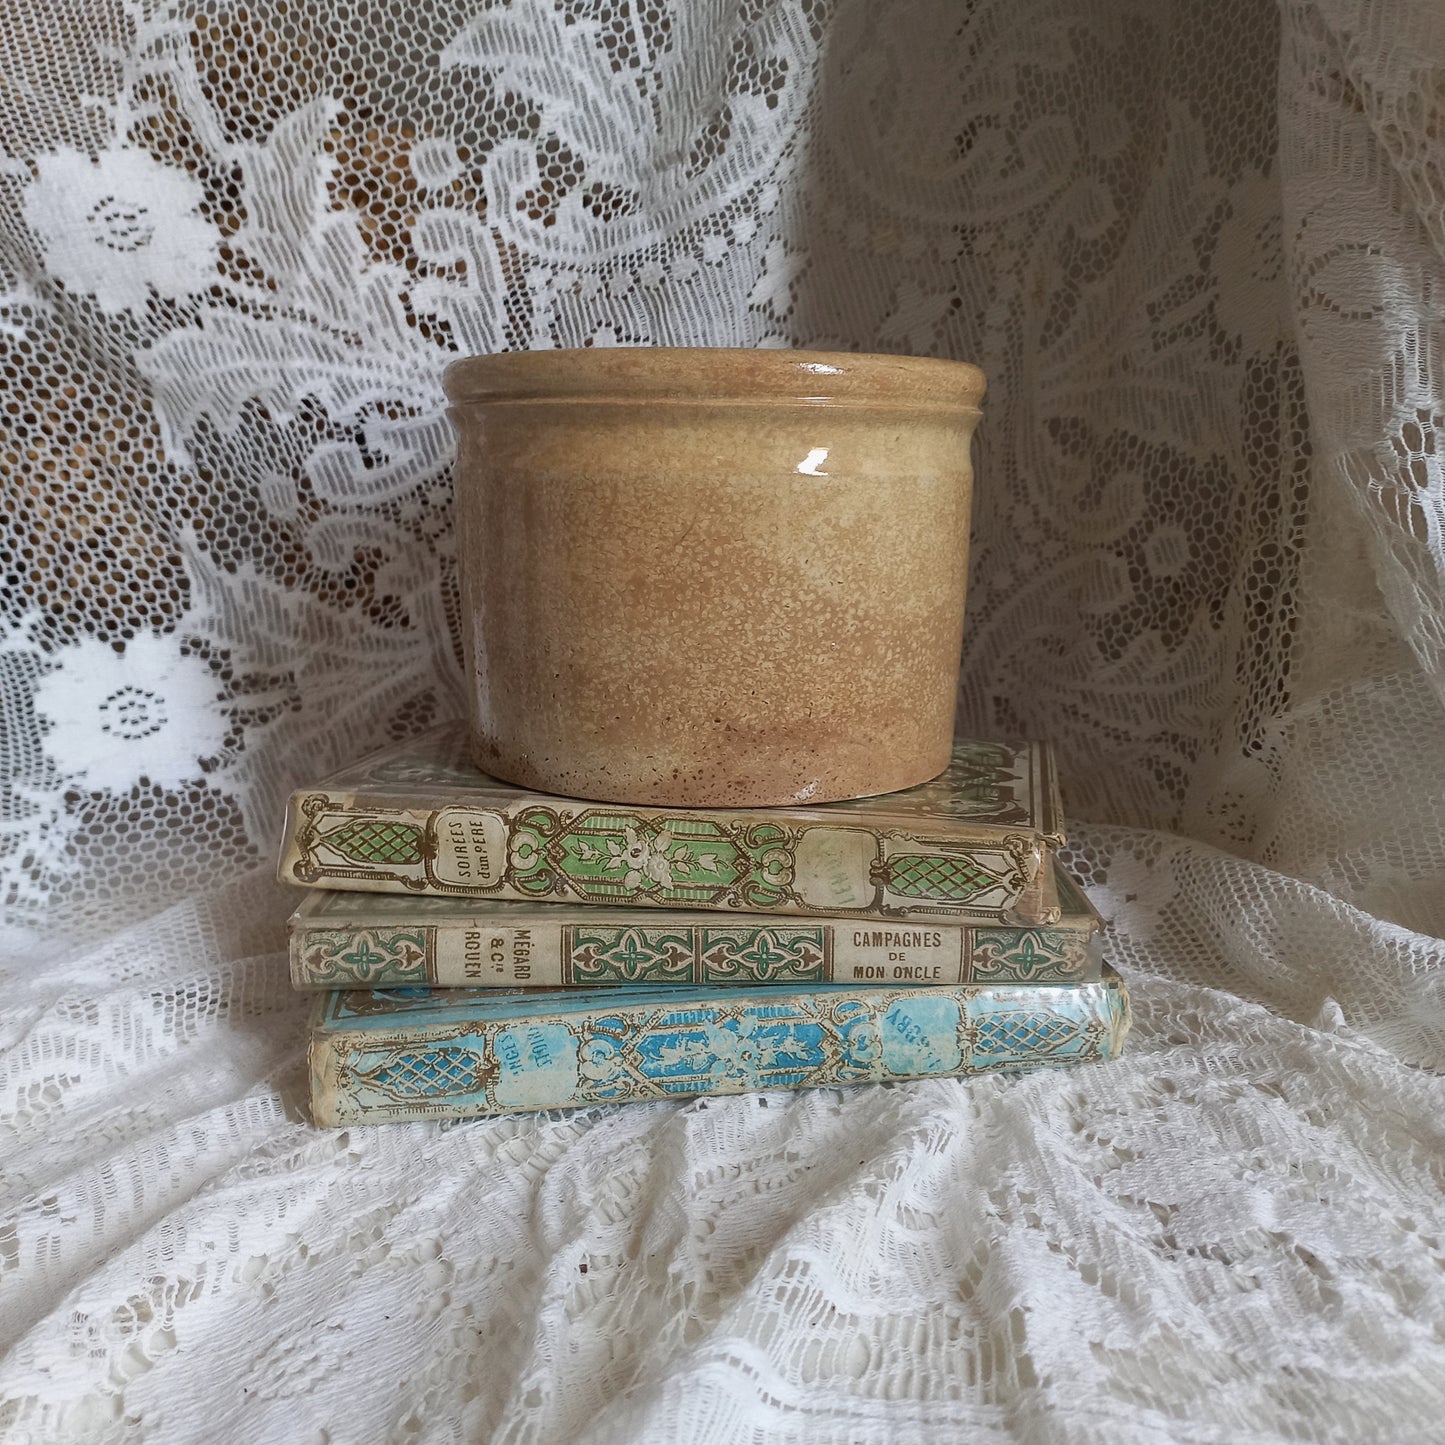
(971,846)
(379,1057)
(356,940)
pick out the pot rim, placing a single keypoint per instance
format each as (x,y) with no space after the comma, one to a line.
(703,375)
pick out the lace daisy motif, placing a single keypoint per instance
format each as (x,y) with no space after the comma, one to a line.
(118,227)
(150,714)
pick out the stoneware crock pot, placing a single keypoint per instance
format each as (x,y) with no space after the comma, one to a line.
(712,578)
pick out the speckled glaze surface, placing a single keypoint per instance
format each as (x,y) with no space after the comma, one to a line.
(713,578)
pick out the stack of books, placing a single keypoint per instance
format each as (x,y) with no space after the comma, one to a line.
(480,949)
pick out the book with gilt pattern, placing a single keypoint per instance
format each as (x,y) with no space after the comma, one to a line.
(378,940)
(382,1056)
(973,845)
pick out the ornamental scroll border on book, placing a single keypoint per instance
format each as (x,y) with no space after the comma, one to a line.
(607,855)
(372,956)
(700,954)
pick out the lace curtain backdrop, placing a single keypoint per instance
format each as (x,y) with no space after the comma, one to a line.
(1199,252)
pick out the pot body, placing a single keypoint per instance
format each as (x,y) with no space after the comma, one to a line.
(712,578)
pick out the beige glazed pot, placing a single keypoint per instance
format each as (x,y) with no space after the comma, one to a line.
(713,578)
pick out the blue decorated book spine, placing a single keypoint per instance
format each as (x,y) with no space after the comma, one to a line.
(465,1053)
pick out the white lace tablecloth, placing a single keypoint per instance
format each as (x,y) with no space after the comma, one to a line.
(1199,252)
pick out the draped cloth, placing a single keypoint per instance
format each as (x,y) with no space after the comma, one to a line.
(1200,254)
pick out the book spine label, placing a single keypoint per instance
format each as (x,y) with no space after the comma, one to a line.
(789,1040)
(618,857)
(481,954)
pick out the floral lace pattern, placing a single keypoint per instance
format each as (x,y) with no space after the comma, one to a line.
(120,228)
(114,719)
(1198,253)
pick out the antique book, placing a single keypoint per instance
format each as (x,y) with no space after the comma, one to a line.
(419,818)
(378,940)
(458,1053)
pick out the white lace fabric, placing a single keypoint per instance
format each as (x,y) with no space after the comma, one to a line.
(1198,252)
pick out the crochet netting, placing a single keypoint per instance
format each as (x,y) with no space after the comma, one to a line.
(1200,253)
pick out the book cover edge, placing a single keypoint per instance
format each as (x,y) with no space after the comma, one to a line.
(1112,1021)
